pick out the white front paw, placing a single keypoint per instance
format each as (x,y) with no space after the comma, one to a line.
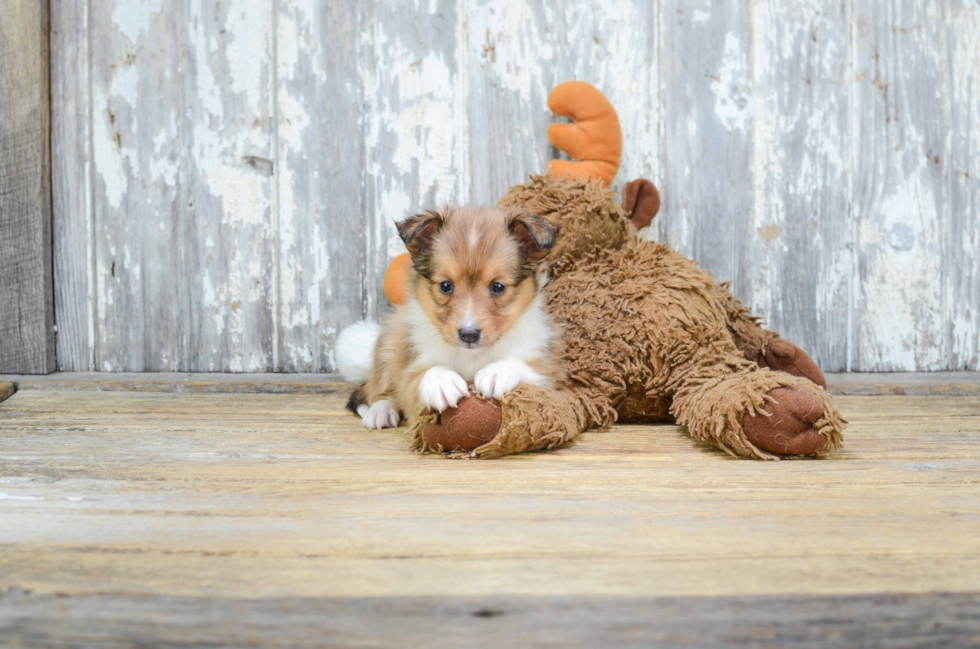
(441,388)
(497,379)
(381,414)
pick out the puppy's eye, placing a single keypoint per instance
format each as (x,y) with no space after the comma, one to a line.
(446,287)
(497,288)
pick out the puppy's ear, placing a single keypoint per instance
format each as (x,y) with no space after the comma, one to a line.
(534,234)
(418,231)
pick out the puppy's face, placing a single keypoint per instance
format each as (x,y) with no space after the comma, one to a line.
(476,270)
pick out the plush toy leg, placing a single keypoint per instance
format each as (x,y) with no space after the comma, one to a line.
(529,419)
(759,413)
(763,346)
(783,356)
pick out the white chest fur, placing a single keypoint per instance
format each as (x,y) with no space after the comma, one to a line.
(527,340)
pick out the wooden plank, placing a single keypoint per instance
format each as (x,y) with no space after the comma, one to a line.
(962,263)
(325,241)
(26,285)
(911,383)
(175,382)
(413,123)
(798,272)
(708,208)
(900,187)
(516,51)
(220,496)
(71,186)
(795,622)
(866,384)
(182,154)
(446,103)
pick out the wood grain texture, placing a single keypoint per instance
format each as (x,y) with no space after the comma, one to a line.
(518,50)
(26,285)
(912,383)
(244,186)
(323,241)
(798,272)
(900,192)
(71,185)
(794,622)
(413,123)
(848,384)
(182,150)
(261,520)
(209,383)
(962,261)
(262,496)
(707,65)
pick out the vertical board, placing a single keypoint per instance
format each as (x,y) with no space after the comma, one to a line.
(413,122)
(708,209)
(71,188)
(800,265)
(370,130)
(182,155)
(900,194)
(323,235)
(26,301)
(962,258)
(518,50)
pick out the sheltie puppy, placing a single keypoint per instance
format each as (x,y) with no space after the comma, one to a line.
(475,314)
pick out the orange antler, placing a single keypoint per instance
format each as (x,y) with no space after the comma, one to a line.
(594,138)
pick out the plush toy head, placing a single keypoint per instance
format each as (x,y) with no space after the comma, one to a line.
(587,214)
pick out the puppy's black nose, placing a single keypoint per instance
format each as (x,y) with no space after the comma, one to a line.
(470,335)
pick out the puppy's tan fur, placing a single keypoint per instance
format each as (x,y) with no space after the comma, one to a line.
(472,249)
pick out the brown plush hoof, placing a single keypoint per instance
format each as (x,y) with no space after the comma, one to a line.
(472,423)
(789,428)
(784,356)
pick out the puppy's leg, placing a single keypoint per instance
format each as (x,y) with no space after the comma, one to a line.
(380,414)
(440,387)
(375,400)
(375,410)
(500,377)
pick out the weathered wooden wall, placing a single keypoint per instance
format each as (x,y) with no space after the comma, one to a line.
(27,342)
(227,172)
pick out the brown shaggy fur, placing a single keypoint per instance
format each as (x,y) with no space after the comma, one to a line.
(645,334)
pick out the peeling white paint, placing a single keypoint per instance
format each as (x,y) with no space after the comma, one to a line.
(732,96)
(321,267)
(177,118)
(133,18)
(112,140)
(4,496)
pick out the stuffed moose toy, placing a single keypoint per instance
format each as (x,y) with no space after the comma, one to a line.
(645,335)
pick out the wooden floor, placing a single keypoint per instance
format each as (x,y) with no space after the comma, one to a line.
(182,518)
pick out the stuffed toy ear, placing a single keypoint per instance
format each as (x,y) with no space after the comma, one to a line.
(594,138)
(642,200)
(535,235)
